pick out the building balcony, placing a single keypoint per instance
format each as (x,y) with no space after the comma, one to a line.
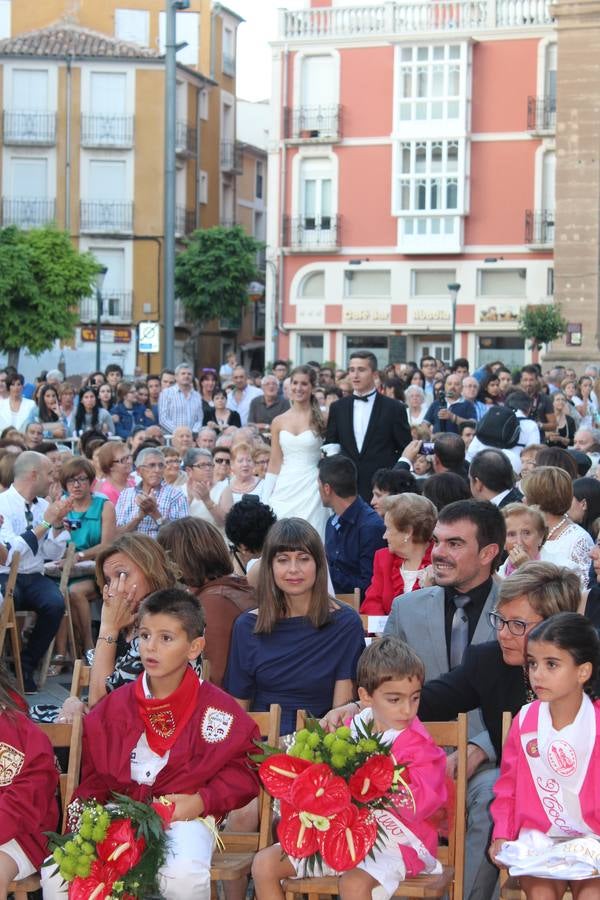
(107,131)
(541,115)
(313,123)
(186,143)
(106,217)
(228,65)
(28,212)
(539,228)
(231,157)
(116,306)
(185,221)
(306,234)
(26,128)
(390,19)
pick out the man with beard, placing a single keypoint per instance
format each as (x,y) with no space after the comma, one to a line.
(439,623)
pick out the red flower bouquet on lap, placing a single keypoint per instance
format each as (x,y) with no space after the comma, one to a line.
(329,786)
(112,851)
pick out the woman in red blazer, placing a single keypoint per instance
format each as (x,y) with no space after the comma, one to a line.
(398,568)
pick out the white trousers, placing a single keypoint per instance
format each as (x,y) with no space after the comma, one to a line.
(185,874)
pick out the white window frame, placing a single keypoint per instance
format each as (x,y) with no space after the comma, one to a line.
(5,19)
(443,123)
(30,65)
(86,85)
(203,186)
(90,156)
(299,58)
(203,105)
(141,15)
(307,333)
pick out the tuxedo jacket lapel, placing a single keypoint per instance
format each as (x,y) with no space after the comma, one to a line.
(349,416)
(373,418)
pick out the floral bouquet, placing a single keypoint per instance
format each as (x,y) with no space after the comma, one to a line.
(330,787)
(114,850)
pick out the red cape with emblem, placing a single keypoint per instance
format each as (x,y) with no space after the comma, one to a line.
(28,781)
(209,757)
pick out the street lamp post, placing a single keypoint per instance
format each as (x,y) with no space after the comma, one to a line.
(100,276)
(454,288)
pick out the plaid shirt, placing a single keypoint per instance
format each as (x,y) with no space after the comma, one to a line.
(176,409)
(171,501)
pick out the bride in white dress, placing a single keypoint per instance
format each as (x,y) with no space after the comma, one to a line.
(296,440)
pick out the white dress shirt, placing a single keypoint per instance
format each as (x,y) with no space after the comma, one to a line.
(242,406)
(33,551)
(360,418)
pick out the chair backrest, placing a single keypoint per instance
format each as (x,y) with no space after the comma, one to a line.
(67,736)
(68,562)
(352,599)
(7,608)
(269,725)
(81,678)
(454,736)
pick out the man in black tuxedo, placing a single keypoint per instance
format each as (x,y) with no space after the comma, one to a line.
(492,478)
(371,429)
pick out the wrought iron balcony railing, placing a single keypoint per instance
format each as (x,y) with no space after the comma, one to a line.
(541,113)
(186,143)
(107,131)
(185,221)
(313,123)
(29,127)
(539,227)
(28,212)
(115,306)
(231,157)
(106,217)
(312,232)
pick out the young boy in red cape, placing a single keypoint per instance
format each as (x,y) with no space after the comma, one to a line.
(28,782)
(169,735)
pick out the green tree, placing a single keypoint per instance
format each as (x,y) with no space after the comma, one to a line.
(42,279)
(213,273)
(542,324)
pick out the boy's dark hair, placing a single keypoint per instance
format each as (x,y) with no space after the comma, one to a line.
(113,367)
(366,354)
(575,634)
(334,391)
(387,659)
(340,473)
(179,604)
(461,363)
(450,450)
(396,481)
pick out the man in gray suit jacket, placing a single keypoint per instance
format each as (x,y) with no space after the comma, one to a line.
(438,622)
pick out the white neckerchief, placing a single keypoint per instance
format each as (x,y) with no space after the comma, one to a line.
(558,762)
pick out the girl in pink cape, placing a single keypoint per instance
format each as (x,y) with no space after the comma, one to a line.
(547,807)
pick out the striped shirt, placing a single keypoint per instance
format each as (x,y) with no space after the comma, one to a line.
(171,501)
(176,409)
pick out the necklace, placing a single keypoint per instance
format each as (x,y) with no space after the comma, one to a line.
(558,525)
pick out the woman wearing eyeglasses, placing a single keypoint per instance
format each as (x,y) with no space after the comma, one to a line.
(91,523)
(115,462)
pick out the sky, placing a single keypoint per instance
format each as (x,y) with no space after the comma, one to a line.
(253,52)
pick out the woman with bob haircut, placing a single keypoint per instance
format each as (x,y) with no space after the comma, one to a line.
(115,463)
(397,569)
(198,550)
(297,628)
(567,544)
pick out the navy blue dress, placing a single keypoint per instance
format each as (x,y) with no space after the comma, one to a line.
(296,665)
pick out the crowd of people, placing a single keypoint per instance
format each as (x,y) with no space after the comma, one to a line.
(227,526)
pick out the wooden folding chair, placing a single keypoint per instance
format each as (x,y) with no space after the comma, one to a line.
(352,599)
(62,736)
(452,856)
(8,620)
(510,888)
(81,678)
(69,561)
(240,847)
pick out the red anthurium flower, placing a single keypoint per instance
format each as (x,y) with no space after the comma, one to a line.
(297,837)
(373,779)
(97,886)
(279,772)
(350,836)
(318,791)
(120,847)
(165,809)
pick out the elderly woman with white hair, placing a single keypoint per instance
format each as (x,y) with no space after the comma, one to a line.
(417,404)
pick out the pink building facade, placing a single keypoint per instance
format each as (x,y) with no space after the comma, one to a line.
(412,148)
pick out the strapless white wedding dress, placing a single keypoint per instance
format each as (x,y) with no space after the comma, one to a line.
(296,492)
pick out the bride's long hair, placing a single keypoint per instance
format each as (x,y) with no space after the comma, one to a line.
(317,422)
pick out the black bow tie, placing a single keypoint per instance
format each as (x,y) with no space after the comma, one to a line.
(365,397)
